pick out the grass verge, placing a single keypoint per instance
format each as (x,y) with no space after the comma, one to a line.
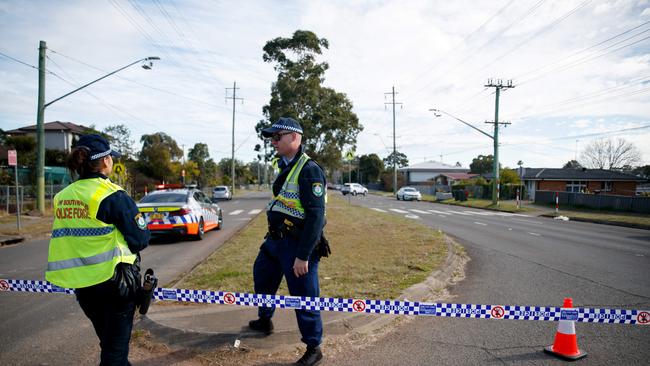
(605,217)
(30,226)
(374,255)
(487,204)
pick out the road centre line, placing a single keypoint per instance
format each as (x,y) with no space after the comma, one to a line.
(398,210)
(236,212)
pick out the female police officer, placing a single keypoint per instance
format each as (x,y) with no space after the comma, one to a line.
(96,236)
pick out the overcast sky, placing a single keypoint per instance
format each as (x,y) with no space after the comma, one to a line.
(580,68)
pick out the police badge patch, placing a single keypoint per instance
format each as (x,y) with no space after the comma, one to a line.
(139,220)
(317,189)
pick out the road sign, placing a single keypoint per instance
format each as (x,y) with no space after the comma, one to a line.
(119,168)
(349,156)
(13,157)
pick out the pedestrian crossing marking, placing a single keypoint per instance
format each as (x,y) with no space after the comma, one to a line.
(440,212)
(398,210)
(378,209)
(236,212)
(420,211)
(255,211)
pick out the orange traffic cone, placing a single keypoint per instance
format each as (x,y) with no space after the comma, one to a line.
(566,342)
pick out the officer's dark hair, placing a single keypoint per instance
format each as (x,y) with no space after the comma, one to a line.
(79,163)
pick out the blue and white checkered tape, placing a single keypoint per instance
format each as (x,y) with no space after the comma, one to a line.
(394,307)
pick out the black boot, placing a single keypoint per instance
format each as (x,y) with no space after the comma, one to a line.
(312,357)
(264,325)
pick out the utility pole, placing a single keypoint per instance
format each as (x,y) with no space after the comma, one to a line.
(40,131)
(394,144)
(234,98)
(498,85)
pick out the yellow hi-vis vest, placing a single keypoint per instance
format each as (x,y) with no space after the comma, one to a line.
(288,199)
(83,249)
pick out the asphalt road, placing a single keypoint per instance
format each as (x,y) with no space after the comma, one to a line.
(40,329)
(519,260)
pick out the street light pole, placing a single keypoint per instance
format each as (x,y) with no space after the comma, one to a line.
(40,116)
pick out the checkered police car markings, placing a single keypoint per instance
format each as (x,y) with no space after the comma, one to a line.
(393,307)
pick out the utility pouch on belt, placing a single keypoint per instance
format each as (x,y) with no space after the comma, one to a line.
(323,248)
(146,291)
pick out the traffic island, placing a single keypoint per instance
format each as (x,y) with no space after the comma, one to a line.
(374,256)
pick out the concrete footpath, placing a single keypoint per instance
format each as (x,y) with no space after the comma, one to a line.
(206,326)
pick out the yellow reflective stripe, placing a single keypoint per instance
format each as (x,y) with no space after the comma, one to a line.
(87,261)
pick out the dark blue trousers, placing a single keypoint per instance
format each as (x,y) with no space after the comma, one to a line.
(275,259)
(112,318)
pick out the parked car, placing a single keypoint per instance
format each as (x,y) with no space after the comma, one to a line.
(221,193)
(175,209)
(354,189)
(408,194)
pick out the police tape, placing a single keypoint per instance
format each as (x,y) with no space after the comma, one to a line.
(393,307)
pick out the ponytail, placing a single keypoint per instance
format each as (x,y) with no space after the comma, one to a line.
(79,163)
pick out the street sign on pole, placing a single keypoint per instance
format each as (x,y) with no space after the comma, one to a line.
(13,157)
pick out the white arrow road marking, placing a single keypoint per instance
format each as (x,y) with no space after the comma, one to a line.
(236,212)
(398,210)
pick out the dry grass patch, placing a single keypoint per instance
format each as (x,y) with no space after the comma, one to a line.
(374,255)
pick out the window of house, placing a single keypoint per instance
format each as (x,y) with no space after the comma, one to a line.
(576,186)
(606,186)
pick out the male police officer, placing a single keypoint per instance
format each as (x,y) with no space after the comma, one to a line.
(296,216)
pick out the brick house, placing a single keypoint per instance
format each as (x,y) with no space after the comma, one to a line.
(433,172)
(579,180)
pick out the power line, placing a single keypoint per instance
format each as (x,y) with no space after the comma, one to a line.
(24,63)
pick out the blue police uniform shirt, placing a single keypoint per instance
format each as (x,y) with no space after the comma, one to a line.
(120,210)
(314,205)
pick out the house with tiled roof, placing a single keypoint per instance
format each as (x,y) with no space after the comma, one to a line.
(434,173)
(58,135)
(597,181)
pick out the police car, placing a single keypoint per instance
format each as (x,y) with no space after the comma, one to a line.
(178,209)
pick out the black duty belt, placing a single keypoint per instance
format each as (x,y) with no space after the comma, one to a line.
(287,229)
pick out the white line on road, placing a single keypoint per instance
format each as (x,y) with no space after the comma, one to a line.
(535,234)
(479,223)
(460,213)
(255,211)
(420,211)
(528,222)
(378,209)
(478,213)
(439,212)
(398,210)
(411,216)
(236,212)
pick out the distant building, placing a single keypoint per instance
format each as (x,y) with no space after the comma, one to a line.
(434,173)
(58,135)
(579,180)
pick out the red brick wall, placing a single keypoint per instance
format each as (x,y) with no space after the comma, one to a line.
(623,188)
(551,185)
